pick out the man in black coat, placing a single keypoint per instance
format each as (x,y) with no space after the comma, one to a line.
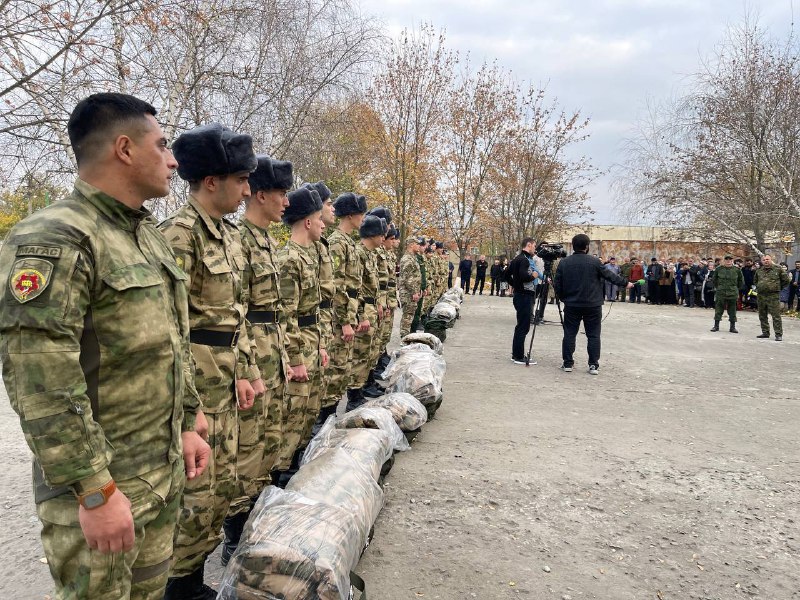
(465,272)
(794,287)
(494,274)
(579,284)
(523,276)
(480,275)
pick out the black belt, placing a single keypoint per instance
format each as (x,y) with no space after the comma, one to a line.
(383,286)
(368,300)
(352,292)
(207,337)
(326,304)
(307,320)
(263,316)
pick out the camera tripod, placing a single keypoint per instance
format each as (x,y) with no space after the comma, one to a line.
(537,311)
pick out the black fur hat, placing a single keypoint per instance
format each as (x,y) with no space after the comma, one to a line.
(213,150)
(362,203)
(439,245)
(382,212)
(322,190)
(302,202)
(347,204)
(271,174)
(392,233)
(372,226)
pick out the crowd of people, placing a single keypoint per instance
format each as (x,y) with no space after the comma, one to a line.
(165,373)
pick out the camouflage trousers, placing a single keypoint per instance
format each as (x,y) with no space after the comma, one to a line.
(720,304)
(260,436)
(361,364)
(206,499)
(337,373)
(80,573)
(301,407)
(385,333)
(769,304)
(409,310)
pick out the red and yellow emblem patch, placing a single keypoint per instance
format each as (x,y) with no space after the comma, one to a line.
(29,280)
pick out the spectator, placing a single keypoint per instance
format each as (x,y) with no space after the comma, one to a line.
(494,275)
(794,286)
(783,297)
(450,267)
(637,275)
(625,271)
(503,282)
(708,286)
(667,284)
(465,272)
(653,274)
(610,287)
(480,275)
(688,277)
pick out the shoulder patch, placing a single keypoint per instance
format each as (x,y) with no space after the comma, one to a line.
(39,250)
(29,278)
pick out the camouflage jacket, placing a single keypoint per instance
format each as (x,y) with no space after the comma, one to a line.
(727,282)
(95,346)
(346,277)
(327,289)
(368,293)
(410,278)
(300,291)
(210,253)
(771,280)
(391,265)
(423,271)
(382,268)
(262,291)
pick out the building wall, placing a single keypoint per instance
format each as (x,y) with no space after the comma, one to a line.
(644,250)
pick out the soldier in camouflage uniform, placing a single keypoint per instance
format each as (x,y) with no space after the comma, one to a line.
(390,243)
(216,162)
(347,280)
(298,263)
(371,231)
(409,285)
(728,280)
(106,404)
(370,388)
(260,430)
(424,286)
(769,280)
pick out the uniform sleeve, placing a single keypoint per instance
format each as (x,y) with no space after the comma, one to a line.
(290,293)
(247,328)
(40,352)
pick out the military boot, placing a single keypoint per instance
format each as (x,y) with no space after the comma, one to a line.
(355,398)
(285,476)
(372,389)
(232,526)
(733,328)
(189,587)
(716,326)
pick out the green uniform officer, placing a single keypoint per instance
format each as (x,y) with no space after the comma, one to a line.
(769,280)
(409,285)
(216,162)
(261,429)
(728,280)
(96,362)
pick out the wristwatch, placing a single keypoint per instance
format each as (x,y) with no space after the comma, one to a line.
(98,497)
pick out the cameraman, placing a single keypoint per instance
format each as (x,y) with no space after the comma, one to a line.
(524,273)
(579,284)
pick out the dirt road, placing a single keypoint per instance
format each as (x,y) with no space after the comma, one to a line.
(673,475)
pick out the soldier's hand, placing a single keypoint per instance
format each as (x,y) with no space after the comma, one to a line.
(258,387)
(363,327)
(245,396)
(324,356)
(415,297)
(195,454)
(630,285)
(300,373)
(109,528)
(347,333)
(289,373)
(201,425)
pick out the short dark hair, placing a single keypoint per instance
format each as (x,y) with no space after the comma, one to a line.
(580,242)
(100,116)
(526,241)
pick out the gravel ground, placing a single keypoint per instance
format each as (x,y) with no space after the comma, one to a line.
(673,475)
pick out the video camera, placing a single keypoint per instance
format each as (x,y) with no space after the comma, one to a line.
(550,252)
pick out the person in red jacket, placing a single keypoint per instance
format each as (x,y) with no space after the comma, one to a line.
(637,274)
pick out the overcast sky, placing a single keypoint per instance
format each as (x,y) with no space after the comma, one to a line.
(603,57)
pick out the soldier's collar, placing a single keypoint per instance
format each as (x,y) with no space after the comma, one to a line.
(126,217)
(259,233)
(212,225)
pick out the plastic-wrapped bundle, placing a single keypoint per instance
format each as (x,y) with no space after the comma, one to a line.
(423,338)
(371,448)
(374,418)
(419,371)
(408,412)
(293,547)
(334,477)
(455,291)
(444,311)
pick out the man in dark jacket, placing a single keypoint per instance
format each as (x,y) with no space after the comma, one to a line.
(522,277)
(465,272)
(794,287)
(579,284)
(480,275)
(494,274)
(654,272)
